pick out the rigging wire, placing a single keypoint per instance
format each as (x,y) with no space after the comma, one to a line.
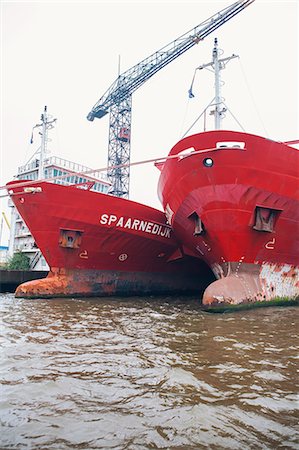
(253,99)
(190,96)
(185,115)
(196,120)
(234,117)
(28,149)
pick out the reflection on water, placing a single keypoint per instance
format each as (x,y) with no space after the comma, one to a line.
(146,374)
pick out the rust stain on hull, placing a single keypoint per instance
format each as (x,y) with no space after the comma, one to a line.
(252,283)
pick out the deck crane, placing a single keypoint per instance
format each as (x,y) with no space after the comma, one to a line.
(118,98)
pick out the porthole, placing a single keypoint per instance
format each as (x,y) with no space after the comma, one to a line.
(208,162)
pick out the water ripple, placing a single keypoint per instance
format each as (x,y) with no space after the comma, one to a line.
(143,373)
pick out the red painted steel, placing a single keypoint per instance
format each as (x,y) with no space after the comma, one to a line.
(96,244)
(244,190)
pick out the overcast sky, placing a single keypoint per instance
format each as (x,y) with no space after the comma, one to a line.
(65,55)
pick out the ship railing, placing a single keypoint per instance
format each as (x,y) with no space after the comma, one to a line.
(62,163)
(75,167)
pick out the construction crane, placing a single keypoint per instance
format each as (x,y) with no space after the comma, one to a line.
(118,98)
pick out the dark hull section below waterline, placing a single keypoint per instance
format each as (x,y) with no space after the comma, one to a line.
(91,283)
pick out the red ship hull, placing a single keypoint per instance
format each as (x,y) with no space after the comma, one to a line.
(99,245)
(232,200)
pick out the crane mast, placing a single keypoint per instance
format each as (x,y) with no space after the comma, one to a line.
(118,98)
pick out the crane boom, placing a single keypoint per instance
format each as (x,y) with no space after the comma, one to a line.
(134,77)
(117,98)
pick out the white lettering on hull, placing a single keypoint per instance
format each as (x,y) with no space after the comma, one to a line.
(111,220)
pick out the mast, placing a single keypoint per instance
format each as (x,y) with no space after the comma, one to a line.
(217,112)
(216,65)
(45,126)
(43,146)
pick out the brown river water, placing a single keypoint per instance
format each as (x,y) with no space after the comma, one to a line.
(146,374)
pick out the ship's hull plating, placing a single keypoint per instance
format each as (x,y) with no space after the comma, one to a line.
(232,200)
(99,245)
